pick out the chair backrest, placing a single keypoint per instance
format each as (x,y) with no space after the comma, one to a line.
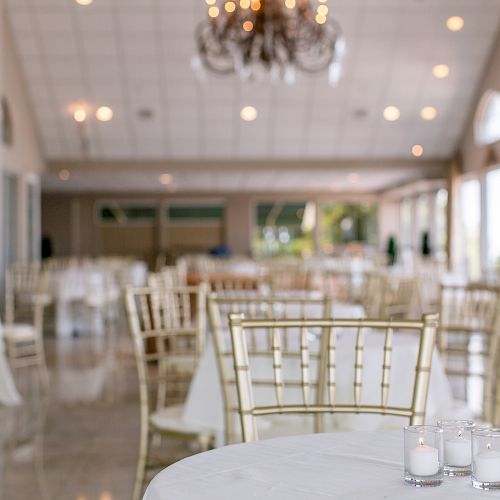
(165,324)
(255,306)
(322,401)
(468,341)
(22,282)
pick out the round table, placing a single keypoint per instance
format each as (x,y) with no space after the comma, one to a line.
(343,465)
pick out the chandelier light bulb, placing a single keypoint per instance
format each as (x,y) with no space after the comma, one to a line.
(104,114)
(322,10)
(213,12)
(248,114)
(320,19)
(230,6)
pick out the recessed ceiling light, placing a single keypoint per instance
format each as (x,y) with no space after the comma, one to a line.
(210,2)
(230,6)
(441,71)
(392,113)
(417,150)
(353,178)
(322,10)
(104,114)
(64,174)
(79,115)
(455,23)
(165,179)
(248,114)
(84,2)
(428,113)
(244,4)
(320,19)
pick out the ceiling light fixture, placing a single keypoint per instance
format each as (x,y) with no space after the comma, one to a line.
(455,23)
(165,179)
(248,114)
(440,71)
(417,150)
(84,2)
(64,174)
(392,113)
(272,38)
(428,113)
(104,114)
(79,115)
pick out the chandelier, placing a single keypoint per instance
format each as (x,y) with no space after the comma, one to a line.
(275,38)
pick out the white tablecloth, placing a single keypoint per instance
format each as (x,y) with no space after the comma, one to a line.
(204,404)
(9,395)
(342,466)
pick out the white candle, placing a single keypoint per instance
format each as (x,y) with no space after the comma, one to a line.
(457,451)
(487,466)
(424,460)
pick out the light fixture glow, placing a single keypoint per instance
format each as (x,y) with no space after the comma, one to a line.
(248,114)
(165,179)
(104,114)
(322,10)
(244,4)
(417,150)
(392,113)
(320,19)
(213,11)
(290,4)
(248,26)
(455,23)
(230,6)
(255,5)
(428,113)
(210,2)
(440,71)
(64,174)
(79,115)
(84,2)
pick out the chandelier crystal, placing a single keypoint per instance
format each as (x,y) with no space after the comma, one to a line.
(258,38)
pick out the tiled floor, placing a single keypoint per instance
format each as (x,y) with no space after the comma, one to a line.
(80,442)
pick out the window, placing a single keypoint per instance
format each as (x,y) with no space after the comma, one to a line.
(423,219)
(493,219)
(125,213)
(405,222)
(284,228)
(487,129)
(196,212)
(441,218)
(346,223)
(7,132)
(470,209)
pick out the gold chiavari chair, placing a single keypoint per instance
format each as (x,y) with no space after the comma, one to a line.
(219,308)
(24,342)
(468,341)
(165,332)
(402,298)
(321,401)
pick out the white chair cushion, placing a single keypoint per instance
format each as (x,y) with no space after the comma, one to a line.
(170,419)
(19,332)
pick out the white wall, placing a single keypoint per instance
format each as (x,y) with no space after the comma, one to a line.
(24,158)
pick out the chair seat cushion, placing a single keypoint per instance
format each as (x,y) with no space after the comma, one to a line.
(169,419)
(19,331)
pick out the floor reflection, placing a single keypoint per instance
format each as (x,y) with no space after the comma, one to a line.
(79,442)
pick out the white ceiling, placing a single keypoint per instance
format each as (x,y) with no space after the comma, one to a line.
(134,54)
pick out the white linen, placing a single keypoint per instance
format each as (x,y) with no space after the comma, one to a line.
(204,404)
(337,466)
(9,395)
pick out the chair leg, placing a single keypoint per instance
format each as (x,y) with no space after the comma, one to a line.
(141,465)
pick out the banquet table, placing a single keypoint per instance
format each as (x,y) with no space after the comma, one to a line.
(204,403)
(341,465)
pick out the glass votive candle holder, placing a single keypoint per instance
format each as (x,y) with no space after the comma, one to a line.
(486,459)
(457,445)
(423,455)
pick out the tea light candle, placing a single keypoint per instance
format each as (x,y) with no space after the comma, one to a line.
(457,451)
(487,466)
(424,460)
